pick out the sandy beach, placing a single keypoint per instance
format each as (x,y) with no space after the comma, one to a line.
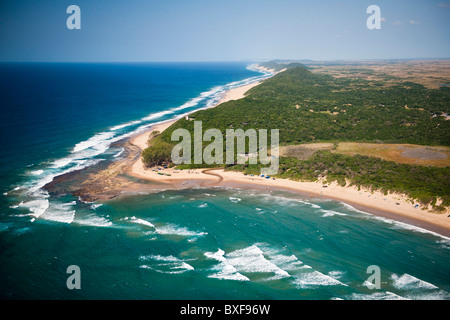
(393,206)
(233,94)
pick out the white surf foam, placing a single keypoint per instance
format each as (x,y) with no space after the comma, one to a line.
(397,224)
(251,260)
(336,274)
(16,205)
(248,260)
(409,282)
(172,229)
(84,153)
(158,257)
(60,163)
(97,141)
(346,205)
(225,271)
(314,279)
(124,125)
(94,221)
(331,213)
(157,115)
(417,289)
(262,259)
(140,221)
(96,205)
(302,275)
(118,154)
(377,296)
(286,201)
(235,200)
(36,186)
(444,243)
(281,260)
(37,207)
(401,225)
(37,172)
(166,264)
(58,214)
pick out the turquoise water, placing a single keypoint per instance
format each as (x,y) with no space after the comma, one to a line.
(223,244)
(213,243)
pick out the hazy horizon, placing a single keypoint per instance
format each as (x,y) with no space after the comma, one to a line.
(243,61)
(205,31)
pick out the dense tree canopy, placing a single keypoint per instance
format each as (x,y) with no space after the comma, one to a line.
(308,107)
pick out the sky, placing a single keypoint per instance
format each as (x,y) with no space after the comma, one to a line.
(219,30)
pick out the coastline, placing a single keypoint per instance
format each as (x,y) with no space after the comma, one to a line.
(392,206)
(114,180)
(141,139)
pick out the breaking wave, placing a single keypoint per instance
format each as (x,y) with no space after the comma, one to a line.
(86,153)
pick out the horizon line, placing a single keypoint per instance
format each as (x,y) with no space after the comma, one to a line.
(242,60)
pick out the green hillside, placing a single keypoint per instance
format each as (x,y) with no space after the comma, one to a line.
(308,107)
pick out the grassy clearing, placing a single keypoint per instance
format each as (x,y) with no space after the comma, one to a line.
(400,153)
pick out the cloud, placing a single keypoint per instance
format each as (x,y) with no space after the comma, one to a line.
(397,23)
(414,22)
(443,5)
(383,19)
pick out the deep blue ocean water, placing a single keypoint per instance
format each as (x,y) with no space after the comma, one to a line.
(213,243)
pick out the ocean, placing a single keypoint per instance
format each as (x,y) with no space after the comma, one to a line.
(201,243)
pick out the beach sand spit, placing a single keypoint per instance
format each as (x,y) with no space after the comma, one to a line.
(110,183)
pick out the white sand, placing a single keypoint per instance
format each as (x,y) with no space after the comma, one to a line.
(393,206)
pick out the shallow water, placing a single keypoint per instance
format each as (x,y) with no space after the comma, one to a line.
(213,243)
(221,244)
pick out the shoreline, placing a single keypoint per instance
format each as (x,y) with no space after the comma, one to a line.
(141,139)
(392,206)
(110,182)
(374,203)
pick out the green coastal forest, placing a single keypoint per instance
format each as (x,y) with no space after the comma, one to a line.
(308,107)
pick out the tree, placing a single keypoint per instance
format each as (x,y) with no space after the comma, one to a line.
(157,154)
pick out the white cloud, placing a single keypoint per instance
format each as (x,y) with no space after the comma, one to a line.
(444,5)
(414,22)
(397,23)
